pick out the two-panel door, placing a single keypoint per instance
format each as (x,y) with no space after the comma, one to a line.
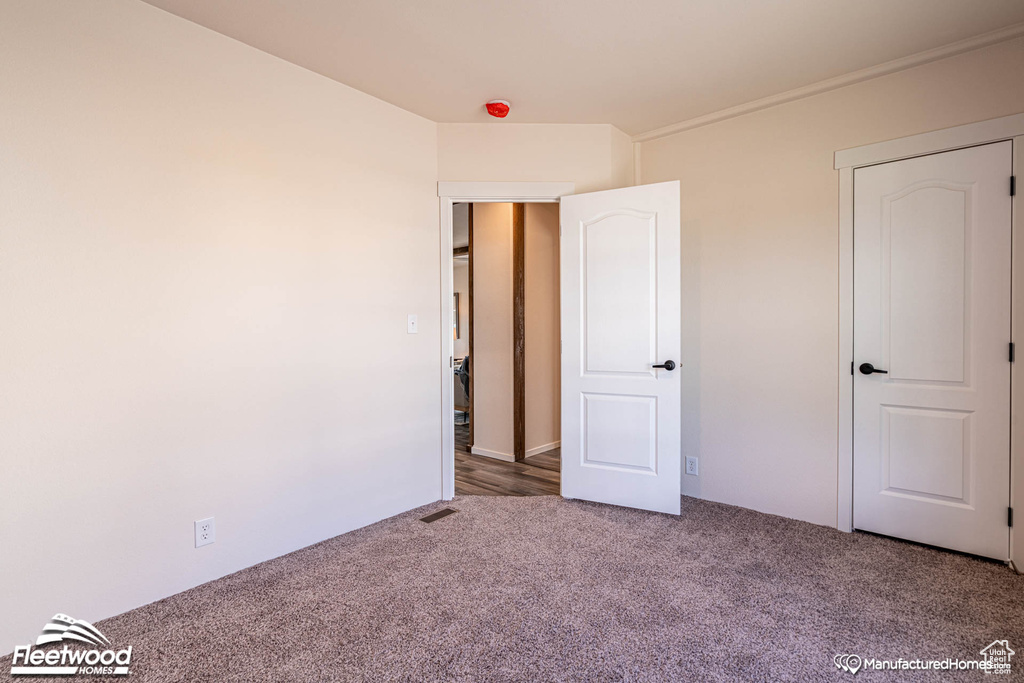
(931,349)
(621,313)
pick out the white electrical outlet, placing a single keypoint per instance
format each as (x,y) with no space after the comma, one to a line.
(413,324)
(691,465)
(206,532)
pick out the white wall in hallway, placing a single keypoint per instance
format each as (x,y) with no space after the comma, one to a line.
(493,383)
(492,329)
(207,256)
(460,280)
(543,356)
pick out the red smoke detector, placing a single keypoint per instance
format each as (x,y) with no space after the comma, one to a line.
(498,108)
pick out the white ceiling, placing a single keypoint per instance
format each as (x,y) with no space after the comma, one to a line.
(637,64)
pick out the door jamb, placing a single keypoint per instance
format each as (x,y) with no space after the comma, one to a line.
(449,194)
(970,135)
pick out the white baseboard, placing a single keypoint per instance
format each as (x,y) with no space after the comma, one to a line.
(543,449)
(507,457)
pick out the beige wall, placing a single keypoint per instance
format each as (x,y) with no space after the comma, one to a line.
(760,253)
(460,225)
(195,239)
(493,398)
(492,329)
(543,356)
(460,277)
(593,156)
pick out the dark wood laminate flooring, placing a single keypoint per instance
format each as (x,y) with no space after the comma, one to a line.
(538,475)
(462,436)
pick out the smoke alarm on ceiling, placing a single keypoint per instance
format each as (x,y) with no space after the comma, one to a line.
(498,108)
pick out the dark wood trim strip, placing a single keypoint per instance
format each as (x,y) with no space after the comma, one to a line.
(519,329)
(469,324)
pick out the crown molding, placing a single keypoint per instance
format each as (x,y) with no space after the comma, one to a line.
(968,135)
(909,62)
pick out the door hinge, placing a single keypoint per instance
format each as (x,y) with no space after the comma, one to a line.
(451,361)
(1012,351)
(1009,517)
(851,367)
(1013,185)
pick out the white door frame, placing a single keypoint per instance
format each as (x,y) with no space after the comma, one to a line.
(993,130)
(449,194)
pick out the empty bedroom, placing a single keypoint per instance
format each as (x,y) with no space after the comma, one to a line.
(539,341)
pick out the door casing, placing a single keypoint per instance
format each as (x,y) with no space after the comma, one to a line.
(449,194)
(993,130)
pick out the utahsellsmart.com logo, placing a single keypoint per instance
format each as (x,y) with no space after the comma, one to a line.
(995,659)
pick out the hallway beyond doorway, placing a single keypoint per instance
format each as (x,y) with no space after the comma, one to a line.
(538,475)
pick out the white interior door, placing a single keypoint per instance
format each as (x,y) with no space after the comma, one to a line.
(620,319)
(932,318)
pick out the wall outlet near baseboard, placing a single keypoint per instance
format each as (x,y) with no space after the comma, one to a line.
(206,532)
(691,465)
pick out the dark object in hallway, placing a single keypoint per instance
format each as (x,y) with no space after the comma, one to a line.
(519,331)
(462,437)
(462,373)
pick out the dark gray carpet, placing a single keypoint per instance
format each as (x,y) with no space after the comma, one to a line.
(544,589)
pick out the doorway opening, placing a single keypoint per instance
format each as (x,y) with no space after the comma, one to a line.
(619,326)
(505,348)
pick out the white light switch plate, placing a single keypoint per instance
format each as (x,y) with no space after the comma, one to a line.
(413,324)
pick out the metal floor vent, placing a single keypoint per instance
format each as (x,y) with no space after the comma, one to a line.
(438,515)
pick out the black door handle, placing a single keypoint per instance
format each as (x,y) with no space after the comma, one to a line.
(668,365)
(868,369)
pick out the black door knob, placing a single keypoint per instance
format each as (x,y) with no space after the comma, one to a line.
(668,365)
(868,369)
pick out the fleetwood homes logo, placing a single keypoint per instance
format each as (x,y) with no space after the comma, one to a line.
(100,660)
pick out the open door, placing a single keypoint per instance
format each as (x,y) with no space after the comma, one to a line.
(621,387)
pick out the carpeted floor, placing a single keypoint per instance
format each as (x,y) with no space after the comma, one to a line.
(544,589)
